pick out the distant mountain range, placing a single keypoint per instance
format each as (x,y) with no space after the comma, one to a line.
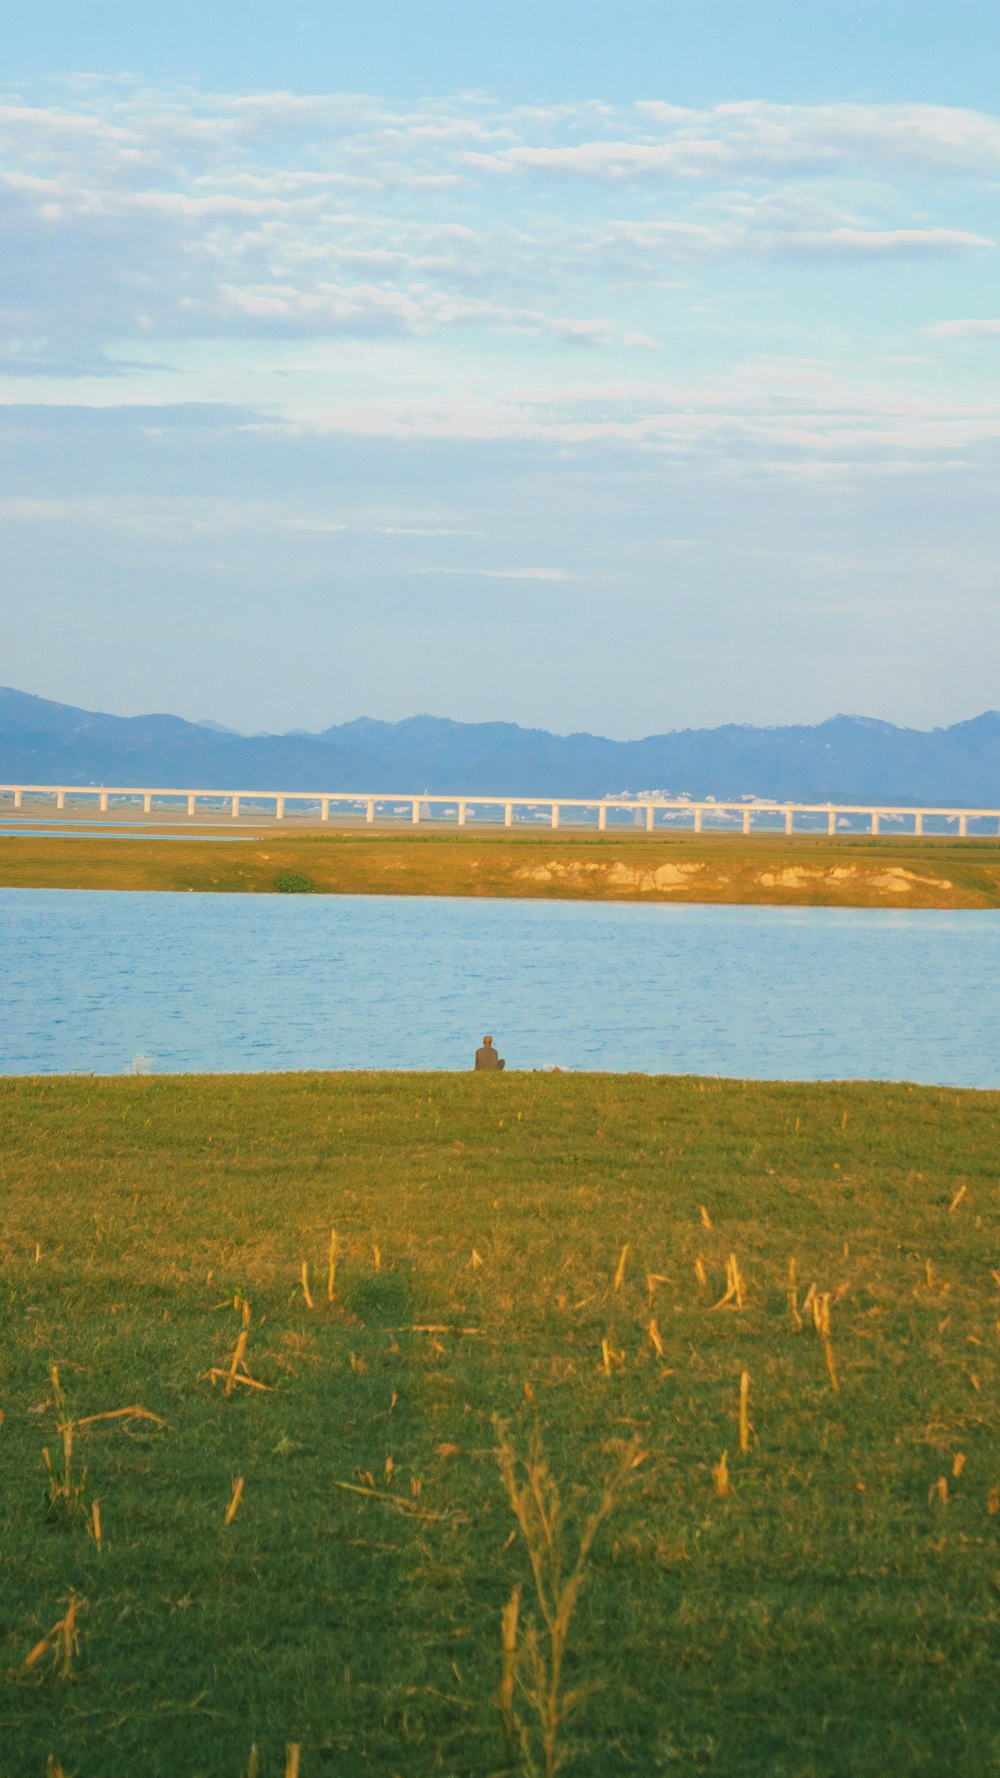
(847,759)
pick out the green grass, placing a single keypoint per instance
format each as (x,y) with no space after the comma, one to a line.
(824,1619)
(846,871)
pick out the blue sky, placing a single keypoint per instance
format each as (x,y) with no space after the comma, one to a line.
(615,368)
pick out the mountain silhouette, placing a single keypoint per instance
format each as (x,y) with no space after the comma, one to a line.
(845,759)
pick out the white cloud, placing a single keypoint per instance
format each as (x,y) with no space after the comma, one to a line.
(264,221)
(756,138)
(868,241)
(971,329)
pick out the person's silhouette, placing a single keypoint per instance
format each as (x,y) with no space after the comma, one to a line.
(487,1058)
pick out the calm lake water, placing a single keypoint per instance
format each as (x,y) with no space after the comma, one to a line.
(184,982)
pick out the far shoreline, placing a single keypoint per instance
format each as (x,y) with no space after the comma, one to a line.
(768,870)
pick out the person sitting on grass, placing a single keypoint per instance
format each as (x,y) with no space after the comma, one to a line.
(487,1058)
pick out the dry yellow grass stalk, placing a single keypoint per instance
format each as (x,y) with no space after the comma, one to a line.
(744,1411)
(831,1367)
(939,1492)
(539,1656)
(234,1505)
(957,1199)
(235,1361)
(408,1508)
(652,1280)
(821,1313)
(993,1502)
(929,1274)
(63,1641)
(66,1492)
(253,1763)
(292,1755)
(706,1220)
(958,1465)
(134,1412)
(377,1258)
(620,1268)
(654,1338)
(508,1671)
(94,1527)
(435,1327)
(720,1475)
(331,1267)
(236,1370)
(699,1269)
(477,1258)
(306,1292)
(733,1298)
(793,1295)
(243,1377)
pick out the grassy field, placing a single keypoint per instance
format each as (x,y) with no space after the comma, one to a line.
(553,1251)
(843,872)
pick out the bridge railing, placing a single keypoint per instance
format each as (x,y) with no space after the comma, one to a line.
(653,814)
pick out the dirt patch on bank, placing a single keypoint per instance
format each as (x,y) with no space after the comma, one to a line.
(847,884)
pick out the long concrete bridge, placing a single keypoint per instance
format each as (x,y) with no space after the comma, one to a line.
(651,813)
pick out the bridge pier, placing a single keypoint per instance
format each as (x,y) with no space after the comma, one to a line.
(191,803)
(874,825)
(697,819)
(60,799)
(416,810)
(370,810)
(462,807)
(918,823)
(508,814)
(649,817)
(324,808)
(555,814)
(746,821)
(279,808)
(789,820)
(235,809)
(103,802)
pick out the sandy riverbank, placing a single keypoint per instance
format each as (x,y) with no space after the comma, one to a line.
(843,872)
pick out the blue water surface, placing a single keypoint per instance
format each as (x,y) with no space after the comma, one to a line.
(102,982)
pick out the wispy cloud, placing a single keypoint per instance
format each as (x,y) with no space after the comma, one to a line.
(982,328)
(502,573)
(135,214)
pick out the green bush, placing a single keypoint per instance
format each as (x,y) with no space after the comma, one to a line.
(289,883)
